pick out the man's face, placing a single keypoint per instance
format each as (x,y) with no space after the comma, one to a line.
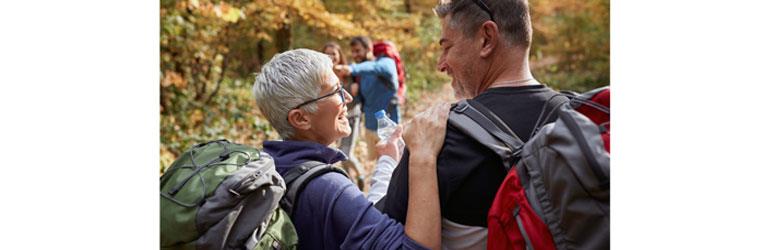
(359,53)
(459,60)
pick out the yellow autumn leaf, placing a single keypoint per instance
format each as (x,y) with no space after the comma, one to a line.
(197,116)
(232,15)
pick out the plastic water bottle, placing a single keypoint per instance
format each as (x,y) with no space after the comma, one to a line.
(385,127)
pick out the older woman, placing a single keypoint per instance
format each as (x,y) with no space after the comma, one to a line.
(298,92)
(347,144)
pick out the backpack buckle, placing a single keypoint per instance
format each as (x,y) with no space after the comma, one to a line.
(513,158)
(460,107)
(517,152)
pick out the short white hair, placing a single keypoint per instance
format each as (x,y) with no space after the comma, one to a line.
(287,80)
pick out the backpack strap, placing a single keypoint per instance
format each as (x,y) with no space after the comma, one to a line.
(477,121)
(586,98)
(297,178)
(387,83)
(575,130)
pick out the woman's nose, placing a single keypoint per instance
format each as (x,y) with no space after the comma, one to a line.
(347,97)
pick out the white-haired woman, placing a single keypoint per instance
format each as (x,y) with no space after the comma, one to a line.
(298,92)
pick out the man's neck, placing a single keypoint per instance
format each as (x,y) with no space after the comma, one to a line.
(508,70)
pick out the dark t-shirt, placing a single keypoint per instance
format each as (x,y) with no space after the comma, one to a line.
(469,174)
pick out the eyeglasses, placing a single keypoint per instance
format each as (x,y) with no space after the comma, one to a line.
(338,90)
(485,8)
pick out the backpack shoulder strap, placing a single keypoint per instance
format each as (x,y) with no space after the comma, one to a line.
(297,178)
(577,100)
(477,121)
(573,124)
(386,81)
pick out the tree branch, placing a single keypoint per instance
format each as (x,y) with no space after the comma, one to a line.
(223,67)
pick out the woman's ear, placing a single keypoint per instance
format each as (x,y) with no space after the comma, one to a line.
(299,120)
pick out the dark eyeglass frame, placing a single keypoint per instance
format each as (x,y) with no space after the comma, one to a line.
(340,90)
(486,9)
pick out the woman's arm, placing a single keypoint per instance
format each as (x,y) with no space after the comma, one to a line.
(425,136)
(389,154)
(332,212)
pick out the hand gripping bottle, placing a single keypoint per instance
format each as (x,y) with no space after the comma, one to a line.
(385,127)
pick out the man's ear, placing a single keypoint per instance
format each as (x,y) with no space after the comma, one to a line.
(299,120)
(490,36)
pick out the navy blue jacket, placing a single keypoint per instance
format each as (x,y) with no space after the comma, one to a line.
(331,212)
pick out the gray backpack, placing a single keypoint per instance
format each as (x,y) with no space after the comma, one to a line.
(556,194)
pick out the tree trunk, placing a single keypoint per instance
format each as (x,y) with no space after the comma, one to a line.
(284,36)
(260,54)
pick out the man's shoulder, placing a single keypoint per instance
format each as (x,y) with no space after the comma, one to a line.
(385,58)
(460,149)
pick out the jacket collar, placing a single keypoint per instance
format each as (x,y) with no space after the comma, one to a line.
(292,153)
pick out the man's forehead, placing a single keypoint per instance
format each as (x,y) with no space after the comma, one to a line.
(447,33)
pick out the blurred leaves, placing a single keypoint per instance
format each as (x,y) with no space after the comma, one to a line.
(571,43)
(210,51)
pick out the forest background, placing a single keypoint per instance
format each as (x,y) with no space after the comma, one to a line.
(211,50)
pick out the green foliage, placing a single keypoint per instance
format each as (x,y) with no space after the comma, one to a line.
(571,43)
(210,51)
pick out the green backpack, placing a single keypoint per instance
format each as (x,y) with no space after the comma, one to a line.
(222,195)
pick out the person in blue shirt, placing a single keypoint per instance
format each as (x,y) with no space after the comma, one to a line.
(301,97)
(378,86)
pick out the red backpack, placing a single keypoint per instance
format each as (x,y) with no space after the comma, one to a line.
(556,194)
(388,49)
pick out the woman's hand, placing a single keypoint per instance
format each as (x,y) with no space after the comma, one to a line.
(426,132)
(342,70)
(391,147)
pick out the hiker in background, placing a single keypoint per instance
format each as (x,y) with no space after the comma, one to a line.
(485,51)
(388,49)
(378,85)
(347,144)
(299,94)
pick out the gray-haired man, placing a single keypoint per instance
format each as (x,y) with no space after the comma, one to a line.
(485,51)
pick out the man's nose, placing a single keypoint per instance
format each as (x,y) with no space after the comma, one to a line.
(441,66)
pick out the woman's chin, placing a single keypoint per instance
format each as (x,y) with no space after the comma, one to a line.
(346,132)
(344,127)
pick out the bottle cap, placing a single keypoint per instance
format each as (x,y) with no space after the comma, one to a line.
(380,114)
